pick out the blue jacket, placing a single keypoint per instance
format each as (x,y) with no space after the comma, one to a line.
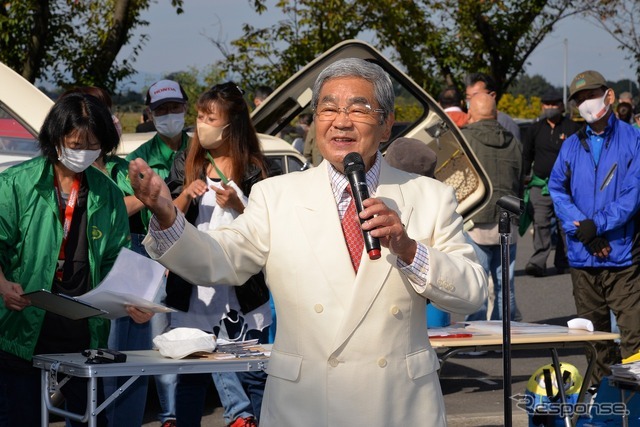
(608,193)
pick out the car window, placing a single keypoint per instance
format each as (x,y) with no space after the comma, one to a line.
(278,160)
(408,109)
(294,164)
(15,139)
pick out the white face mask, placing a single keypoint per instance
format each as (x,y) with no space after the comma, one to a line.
(169,125)
(210,137)
(552,114)
(78,160)
(594,109)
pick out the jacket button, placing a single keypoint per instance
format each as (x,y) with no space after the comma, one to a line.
(382,362)
(394,310)
(318,308)
(333,362)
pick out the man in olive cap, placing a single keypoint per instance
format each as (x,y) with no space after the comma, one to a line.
(541,145)
(595,189)
(167,102)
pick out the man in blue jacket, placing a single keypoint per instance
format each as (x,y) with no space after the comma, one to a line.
(595,189)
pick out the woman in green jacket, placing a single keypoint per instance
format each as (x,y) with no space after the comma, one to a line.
(62,225)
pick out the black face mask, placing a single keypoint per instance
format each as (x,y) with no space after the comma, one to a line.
(554,114)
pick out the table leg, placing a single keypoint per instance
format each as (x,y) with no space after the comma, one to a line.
(109,399)
(44,395)
(590,352)
(563,398)
(625,417)
(92,401)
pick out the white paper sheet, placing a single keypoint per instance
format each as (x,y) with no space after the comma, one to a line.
(133,280)
(495,327)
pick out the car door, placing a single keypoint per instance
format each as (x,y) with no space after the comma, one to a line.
(22,110)
(417,114)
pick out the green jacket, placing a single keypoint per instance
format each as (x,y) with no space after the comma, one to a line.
(118,170)
(30,239)
(526,218)
(159,157)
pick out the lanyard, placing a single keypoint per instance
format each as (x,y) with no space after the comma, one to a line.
(220,174)
(66,213)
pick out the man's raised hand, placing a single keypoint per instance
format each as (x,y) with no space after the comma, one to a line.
(151,190)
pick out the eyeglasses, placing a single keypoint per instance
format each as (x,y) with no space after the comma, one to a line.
(168,108)
(356,112)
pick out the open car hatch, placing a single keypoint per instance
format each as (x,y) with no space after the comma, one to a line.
(417,115)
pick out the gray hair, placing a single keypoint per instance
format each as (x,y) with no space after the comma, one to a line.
(356,67)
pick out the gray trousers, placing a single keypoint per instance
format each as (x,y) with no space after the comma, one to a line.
(543,216)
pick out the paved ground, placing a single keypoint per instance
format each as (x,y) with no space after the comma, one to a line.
(472,386)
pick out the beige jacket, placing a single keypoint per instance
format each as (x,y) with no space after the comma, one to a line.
(351,350)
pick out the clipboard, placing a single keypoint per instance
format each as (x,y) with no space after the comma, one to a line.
(63,305)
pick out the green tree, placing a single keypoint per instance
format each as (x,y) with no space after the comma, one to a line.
(461,36)
(72,42)
(269,56)
(520,106)
(529,86)
(436,41)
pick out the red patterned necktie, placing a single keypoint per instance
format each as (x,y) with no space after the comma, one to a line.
(353,232)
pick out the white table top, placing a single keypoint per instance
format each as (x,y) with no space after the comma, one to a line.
(521,333)
(146,362)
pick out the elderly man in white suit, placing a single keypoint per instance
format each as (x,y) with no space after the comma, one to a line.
(351,347)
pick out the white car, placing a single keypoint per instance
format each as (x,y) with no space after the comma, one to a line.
(23,108)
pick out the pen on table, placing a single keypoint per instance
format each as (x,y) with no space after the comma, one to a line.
(256,354)
(451,336)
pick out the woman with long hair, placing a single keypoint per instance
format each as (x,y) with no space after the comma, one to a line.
(210,183)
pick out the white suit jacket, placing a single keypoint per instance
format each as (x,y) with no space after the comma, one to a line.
(350,350)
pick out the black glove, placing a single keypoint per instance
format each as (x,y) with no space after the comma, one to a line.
(598,244)
(586,231)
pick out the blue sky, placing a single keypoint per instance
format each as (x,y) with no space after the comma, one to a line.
(179,41)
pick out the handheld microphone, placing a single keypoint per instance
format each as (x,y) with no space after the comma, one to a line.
(354,170)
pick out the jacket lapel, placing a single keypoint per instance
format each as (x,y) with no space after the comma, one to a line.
(320,224)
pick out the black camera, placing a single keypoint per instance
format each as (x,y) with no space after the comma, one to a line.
(104,355)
